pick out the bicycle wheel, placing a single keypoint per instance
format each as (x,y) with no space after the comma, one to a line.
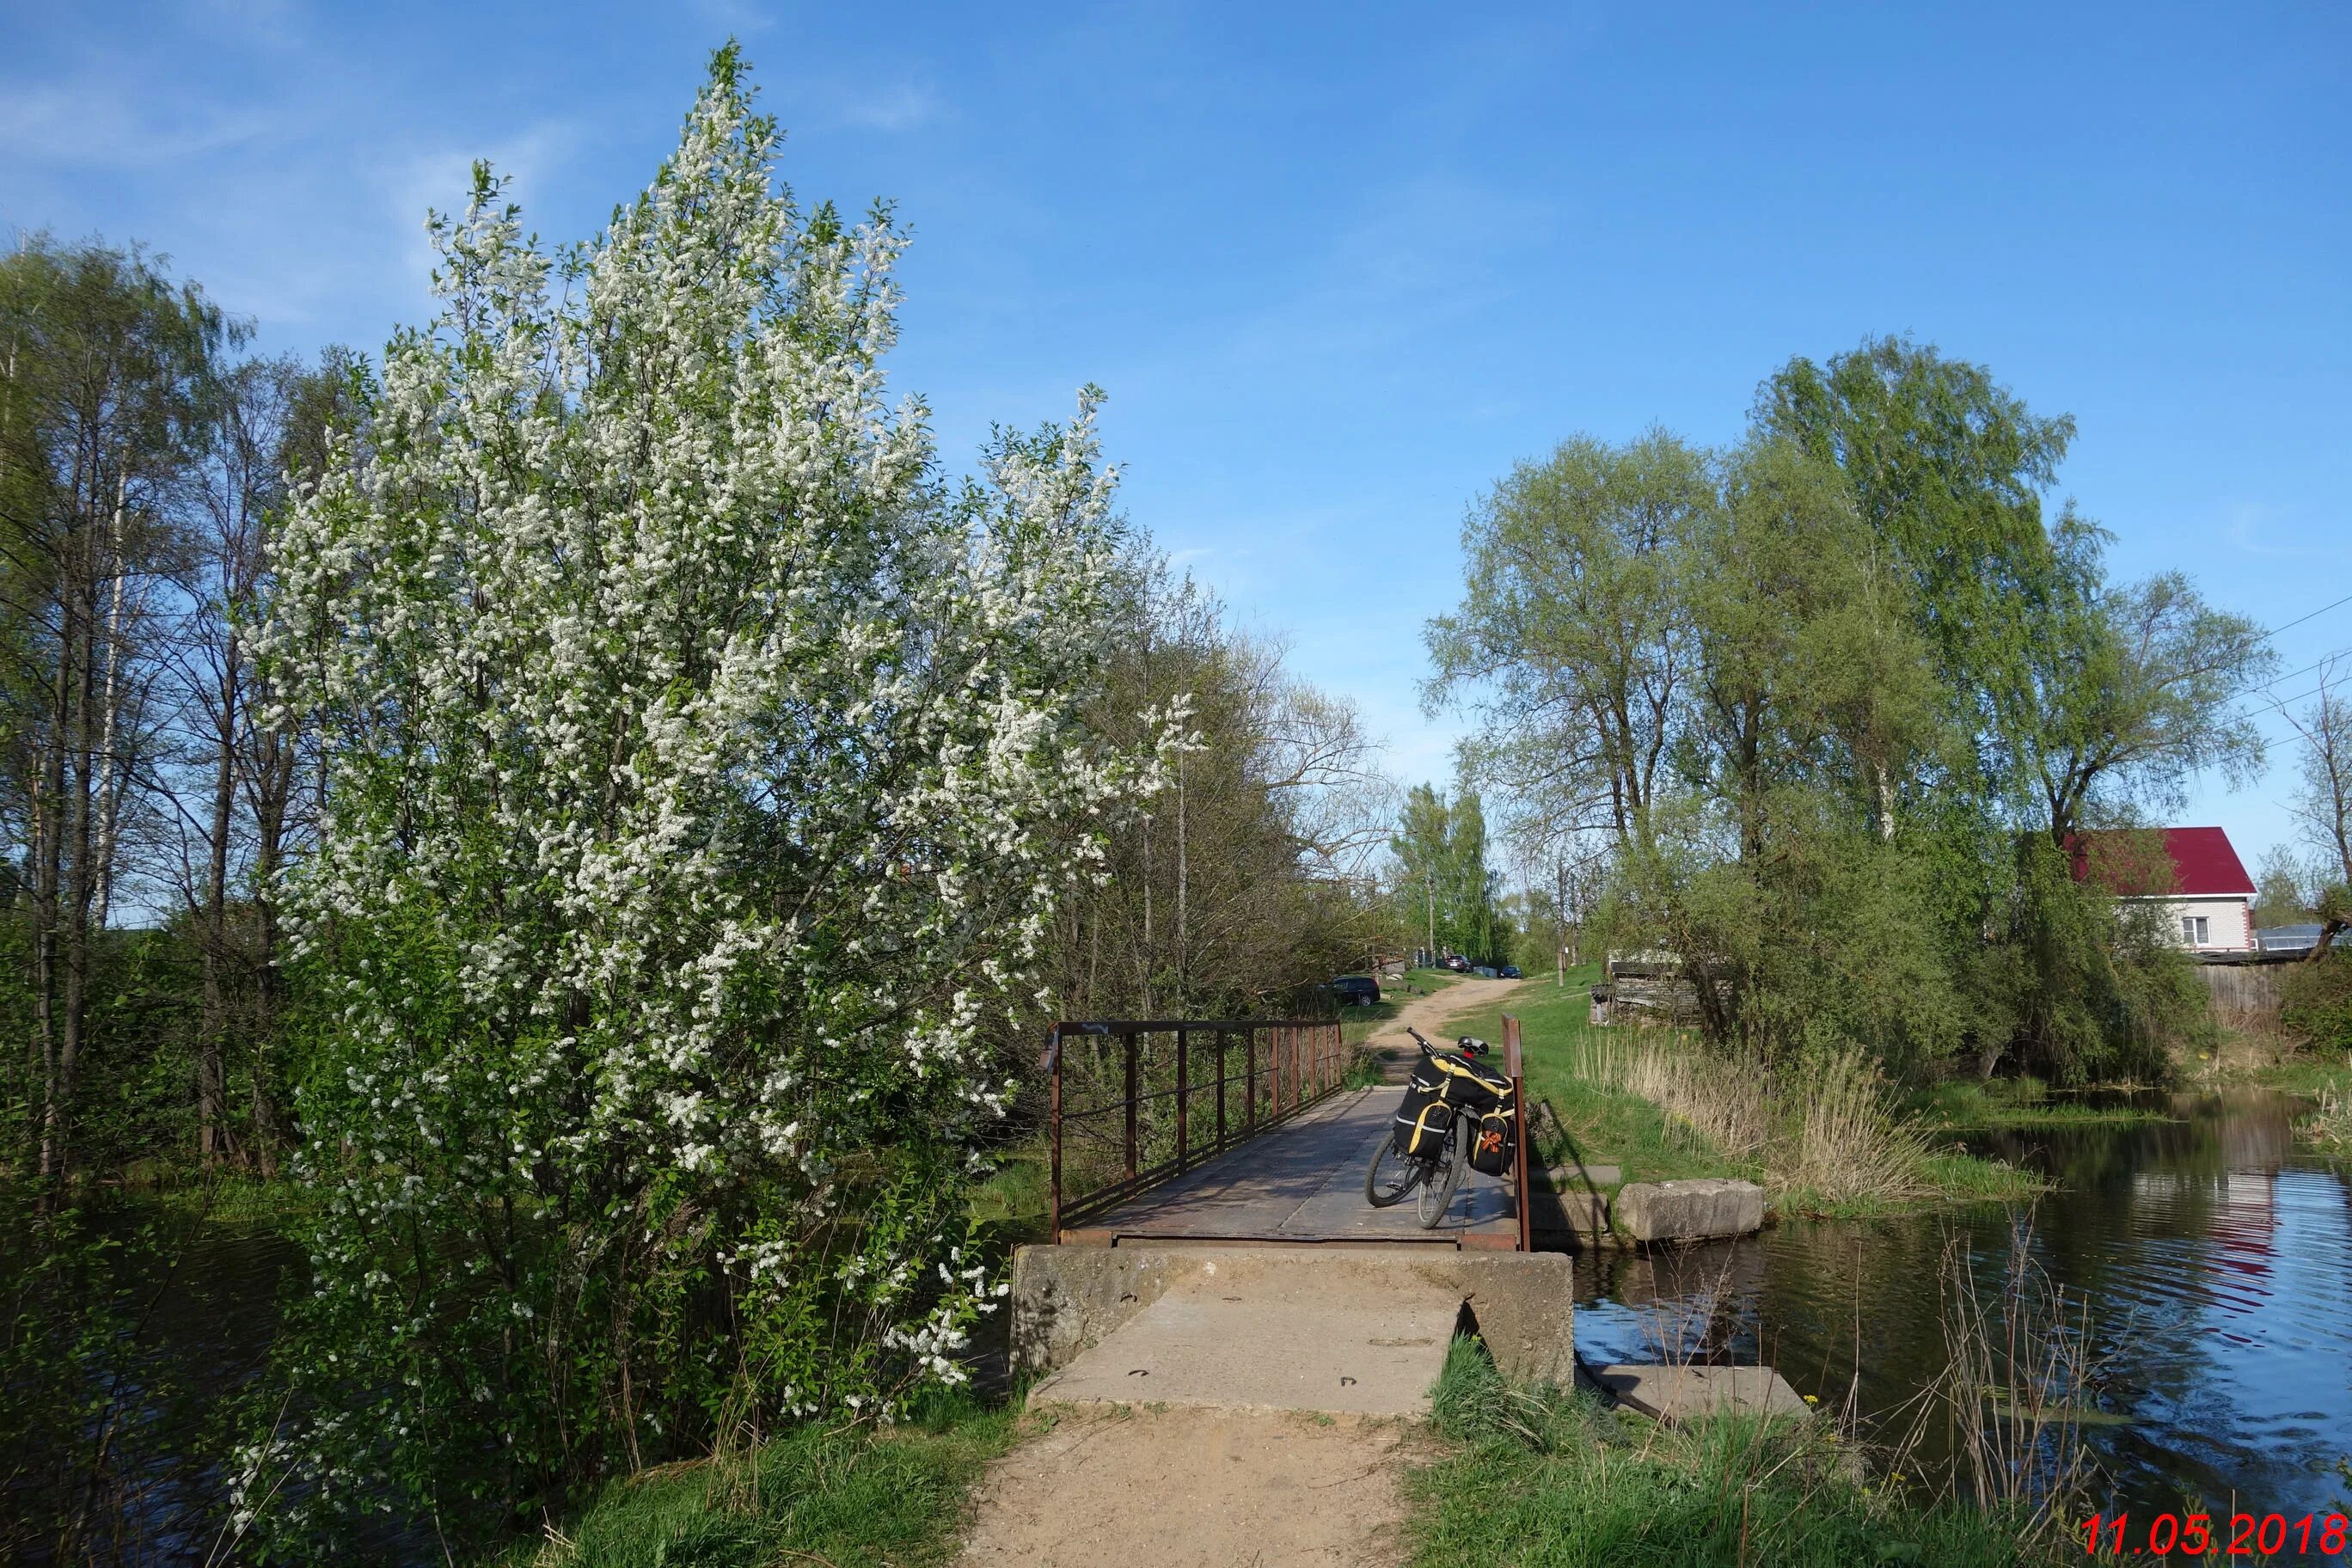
(1391,1175)
(1437,1188)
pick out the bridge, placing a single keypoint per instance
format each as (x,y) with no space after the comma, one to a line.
(1243,1131)
(1213,1245)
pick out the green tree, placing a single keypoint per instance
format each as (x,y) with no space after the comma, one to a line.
(105,366)
(1571,642)
(2131,689)
(1947,468)
(1441,886)
(1235,892)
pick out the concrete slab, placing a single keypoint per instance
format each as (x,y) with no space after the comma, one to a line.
(1695,1392)
(1698,1209)
(1068,1299)
(1270,1349)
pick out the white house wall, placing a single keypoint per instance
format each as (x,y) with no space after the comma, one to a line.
(2229,921)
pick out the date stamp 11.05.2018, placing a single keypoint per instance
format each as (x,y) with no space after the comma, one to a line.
(2254,1536)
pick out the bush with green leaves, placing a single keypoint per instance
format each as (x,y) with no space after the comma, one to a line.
(698,771)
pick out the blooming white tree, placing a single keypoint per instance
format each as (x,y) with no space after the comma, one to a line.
(698,768)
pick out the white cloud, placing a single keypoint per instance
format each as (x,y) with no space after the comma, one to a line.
(96,121)
(903,107)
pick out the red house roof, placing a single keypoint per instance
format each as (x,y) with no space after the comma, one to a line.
(2203,863)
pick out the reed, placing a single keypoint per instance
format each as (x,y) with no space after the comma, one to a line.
(1827,1135)
(2329,1127)
(2018,1392)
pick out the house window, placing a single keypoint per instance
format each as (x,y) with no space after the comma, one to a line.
(2195,930)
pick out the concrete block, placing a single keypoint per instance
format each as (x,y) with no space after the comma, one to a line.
(1212,1343)
(1694,1393)
(1693,1210)
(1066,1299)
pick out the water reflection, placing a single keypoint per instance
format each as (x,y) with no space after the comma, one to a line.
(2216,1260)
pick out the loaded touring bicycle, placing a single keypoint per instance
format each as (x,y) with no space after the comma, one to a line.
(1456,1112)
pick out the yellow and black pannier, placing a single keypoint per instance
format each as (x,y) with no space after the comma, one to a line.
(1442,1086)
(1422,1120)
(1494,1138)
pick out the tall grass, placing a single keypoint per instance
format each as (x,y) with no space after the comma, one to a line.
(1538,1475)
(2018,1386)
(1701,1095)
(2329,1126)
(1826,1134)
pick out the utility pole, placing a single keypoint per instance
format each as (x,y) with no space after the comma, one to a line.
(1560,957)
(1430,889)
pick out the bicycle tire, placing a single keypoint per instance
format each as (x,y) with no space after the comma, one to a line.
(1437,1188)
(1409,1173)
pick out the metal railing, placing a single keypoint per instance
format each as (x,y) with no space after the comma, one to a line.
(1514,1065)
(1133,1102)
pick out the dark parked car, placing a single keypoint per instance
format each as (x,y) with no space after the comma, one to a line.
(1456,963)
(1510,972)
(1362,990)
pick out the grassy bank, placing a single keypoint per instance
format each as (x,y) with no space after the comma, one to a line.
(848,1497)
(1966,1105)
(1651,1103)
(1542,1477)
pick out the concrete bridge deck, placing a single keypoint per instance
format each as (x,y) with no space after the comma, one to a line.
(1303,1181)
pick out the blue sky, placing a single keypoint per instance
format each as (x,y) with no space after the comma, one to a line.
(1338,267)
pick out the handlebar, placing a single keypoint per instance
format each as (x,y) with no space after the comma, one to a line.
(1468,1045)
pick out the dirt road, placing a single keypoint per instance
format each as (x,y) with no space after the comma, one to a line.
(1135,1487)
(1177,1488)
(1429,1014)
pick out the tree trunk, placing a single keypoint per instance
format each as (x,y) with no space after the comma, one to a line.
(211,1025)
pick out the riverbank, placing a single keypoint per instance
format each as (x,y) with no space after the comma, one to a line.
(846,1497)
(1499,1474)
(1539,1476)
(1645,1105)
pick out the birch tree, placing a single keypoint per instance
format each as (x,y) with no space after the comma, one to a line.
(104,360)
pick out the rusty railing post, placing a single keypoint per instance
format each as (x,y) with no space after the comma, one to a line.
(1183,1123)
(1131,1093)
(1054,1115)
(1249,1078)
(1221,1089)
(1513,1065)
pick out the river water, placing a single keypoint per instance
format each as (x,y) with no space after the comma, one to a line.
(2213,1257)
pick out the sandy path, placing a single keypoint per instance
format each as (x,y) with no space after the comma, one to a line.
(1174,1487)
(1188,1487)
(1428,1013)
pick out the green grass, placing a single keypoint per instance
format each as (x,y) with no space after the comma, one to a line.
(1593,1125)
(1590,1125)
(2313,1072)
(1011,1204)
(860,1497)
(1965,1105)
(1537,1477)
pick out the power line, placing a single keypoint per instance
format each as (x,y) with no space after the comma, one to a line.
(2307,669)
(2315,615)
(2281,705)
